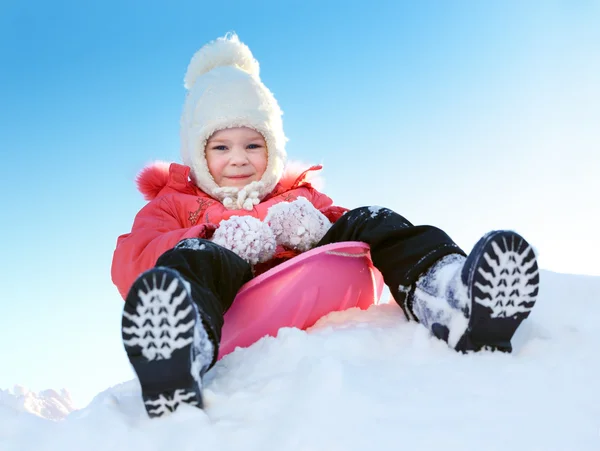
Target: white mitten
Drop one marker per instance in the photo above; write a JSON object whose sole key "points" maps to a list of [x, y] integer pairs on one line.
{"points": [[297, 224], [248, 237]]}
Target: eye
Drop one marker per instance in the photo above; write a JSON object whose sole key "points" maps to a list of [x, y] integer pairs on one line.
{"points": [[254, 146], [220, 148]]}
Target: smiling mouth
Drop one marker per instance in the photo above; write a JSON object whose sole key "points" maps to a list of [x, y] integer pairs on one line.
{"points": [[238, 176]]}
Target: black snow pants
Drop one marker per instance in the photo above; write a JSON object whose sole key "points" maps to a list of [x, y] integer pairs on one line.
{"points": [[399, 250]]}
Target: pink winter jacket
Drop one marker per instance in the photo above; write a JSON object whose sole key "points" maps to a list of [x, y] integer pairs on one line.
{"points": [[178, 209]]}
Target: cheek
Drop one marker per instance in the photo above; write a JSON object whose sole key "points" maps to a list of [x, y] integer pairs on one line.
{"points": [[260, 162], [215, 165]]}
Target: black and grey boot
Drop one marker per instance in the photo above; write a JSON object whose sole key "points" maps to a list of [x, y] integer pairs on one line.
{"points": [[478, 302], [165, 341]]}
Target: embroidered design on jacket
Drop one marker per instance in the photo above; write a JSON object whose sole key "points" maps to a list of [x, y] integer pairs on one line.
{"points": [[203, 204], [289, 197]]}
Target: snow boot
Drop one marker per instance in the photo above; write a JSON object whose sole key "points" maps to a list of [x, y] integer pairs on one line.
{"points": [[478, 302], [165, 341]]}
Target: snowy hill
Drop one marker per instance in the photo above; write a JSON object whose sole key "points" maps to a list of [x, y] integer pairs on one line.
{"points": [[48, 404], [358, 381]]}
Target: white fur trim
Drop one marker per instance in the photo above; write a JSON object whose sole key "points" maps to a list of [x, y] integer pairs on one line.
{"points": [[225, 91]]}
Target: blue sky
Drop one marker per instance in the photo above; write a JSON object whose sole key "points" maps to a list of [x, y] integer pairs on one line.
{"points": [[467, 115]]}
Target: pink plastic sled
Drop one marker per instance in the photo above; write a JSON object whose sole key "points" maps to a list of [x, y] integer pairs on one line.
{"points": [[299, 291]]}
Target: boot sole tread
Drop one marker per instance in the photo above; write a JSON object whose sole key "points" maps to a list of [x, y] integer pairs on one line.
{"points": [[158, 335]]}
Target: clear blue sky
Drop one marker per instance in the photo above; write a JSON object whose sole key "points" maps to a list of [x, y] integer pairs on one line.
{"points": [[466, 115]]}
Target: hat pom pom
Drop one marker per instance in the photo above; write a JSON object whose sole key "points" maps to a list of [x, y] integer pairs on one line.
{"points": [[225, 51]]}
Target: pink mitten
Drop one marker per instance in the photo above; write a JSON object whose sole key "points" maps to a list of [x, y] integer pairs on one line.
{"points": [[248, 237], [297, 225]]}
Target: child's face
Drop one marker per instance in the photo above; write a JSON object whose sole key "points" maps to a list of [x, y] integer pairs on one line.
{"points": [[236, 156]]}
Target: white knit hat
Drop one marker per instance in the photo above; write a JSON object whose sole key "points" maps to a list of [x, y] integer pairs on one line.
{"points": [[225, 91]]}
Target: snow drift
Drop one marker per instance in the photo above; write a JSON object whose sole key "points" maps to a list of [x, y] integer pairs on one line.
{"points": [[361, 380]]}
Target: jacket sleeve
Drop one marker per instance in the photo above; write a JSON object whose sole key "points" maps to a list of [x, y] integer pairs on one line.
{"points": [[324, 204], [155, 230]]}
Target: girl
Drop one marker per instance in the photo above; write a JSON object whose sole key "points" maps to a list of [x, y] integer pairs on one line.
{"points": [[230, 212]]}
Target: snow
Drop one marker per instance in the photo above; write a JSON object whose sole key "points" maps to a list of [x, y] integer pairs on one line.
{"points": [[191, 243], [360, 380], [48, 404], [432, 309], [374, 210]]}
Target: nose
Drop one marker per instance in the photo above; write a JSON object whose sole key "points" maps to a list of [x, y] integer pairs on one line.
{"points": [[238, 157]]}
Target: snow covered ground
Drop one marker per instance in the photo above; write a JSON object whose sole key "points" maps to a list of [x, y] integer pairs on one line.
{"points": [[358, 381]]}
